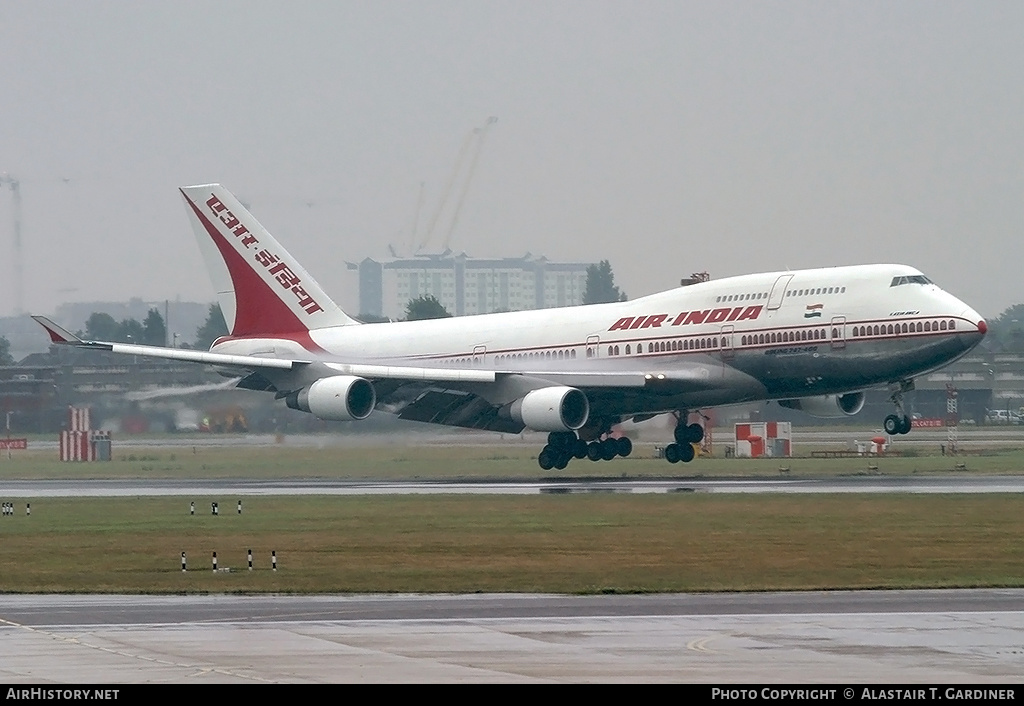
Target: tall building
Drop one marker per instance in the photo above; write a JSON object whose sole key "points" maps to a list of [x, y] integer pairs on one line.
{"points": [[466, 285]]}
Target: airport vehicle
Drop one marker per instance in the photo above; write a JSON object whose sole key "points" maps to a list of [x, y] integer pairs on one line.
{"points": [[811, 339], [1002, 416]]}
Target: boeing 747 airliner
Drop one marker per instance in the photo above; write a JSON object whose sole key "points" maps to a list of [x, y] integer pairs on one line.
{"points": [[811, 339]]}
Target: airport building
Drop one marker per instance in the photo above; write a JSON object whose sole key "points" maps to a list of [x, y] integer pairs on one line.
{"points": [[466, 285]]}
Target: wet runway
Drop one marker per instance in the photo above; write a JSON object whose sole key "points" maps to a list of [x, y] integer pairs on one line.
{"points": [[244, 488], [828, 637]]}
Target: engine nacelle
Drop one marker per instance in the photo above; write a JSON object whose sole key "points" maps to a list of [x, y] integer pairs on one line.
{"points": [[340, 398], [552, 409], [828, 406]]}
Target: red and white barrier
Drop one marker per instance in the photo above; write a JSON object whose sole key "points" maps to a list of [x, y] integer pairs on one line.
{"points": [[76, 446], [82, 443], [757, 439], [78, 419]]}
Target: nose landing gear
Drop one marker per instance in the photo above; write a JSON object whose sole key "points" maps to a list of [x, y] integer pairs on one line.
{"points": [[898, 423]]}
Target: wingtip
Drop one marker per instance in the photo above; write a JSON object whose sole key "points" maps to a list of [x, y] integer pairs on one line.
{"points": [[57, 334]]}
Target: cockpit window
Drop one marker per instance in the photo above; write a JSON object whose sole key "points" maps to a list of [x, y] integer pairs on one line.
{"points": [[910, 279]]}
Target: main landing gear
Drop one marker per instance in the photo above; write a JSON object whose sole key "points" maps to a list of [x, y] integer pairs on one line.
{"points": [[563, 446], [898, 423], [686, 436]]}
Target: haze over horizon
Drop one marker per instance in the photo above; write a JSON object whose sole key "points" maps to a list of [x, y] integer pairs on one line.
{"points": [[666, 137]]}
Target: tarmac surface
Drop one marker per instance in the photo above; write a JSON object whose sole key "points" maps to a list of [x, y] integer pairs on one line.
{"points": [[246, 487], [836, 637], [941, 637]]}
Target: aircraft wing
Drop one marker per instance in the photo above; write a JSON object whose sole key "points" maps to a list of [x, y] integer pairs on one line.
{"points": [[466, 397], [243, 362], [476, 406], [252, 363]]}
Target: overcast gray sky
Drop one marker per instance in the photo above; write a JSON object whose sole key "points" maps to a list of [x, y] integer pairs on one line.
{"points": [[667, 137]]}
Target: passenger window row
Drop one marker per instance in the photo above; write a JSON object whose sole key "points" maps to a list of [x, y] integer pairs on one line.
{"points": [[893, 329], [712, 342], [740, 297], [561, 354], [815, 291]]}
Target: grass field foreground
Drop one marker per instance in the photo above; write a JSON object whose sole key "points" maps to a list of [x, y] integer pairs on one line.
{"points": [[555, 543]]}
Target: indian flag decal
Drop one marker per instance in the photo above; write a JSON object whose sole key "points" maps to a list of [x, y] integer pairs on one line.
{"points": [[813, 310]]}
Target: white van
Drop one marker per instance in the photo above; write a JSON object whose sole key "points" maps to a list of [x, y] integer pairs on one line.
{"points": [[1002, 416]]}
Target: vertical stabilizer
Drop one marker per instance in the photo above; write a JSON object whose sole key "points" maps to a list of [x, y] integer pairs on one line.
{"points": [[261, 288]]}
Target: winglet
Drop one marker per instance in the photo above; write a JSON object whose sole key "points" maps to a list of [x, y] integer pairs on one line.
{"points": [[57, 334]]}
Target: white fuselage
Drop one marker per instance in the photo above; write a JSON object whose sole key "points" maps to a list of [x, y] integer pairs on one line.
{"points": [[768, 335]]}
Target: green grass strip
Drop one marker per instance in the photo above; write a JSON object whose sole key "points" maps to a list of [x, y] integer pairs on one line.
{"points": [[561, 543]]}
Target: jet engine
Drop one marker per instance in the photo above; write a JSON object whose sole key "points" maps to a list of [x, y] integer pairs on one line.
{"points": [[554, 408], [828, 406], [339, 398]]}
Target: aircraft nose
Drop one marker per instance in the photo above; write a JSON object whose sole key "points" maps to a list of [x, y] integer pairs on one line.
{"points": [[970, 338]]}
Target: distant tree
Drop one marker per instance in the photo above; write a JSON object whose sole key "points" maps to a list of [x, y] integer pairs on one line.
{"points": [[373, 319], [130, 331], [425, 307], [1007, 330], [212, 329], [5, 352], [601, 285], [101, 327], [154, 332]]}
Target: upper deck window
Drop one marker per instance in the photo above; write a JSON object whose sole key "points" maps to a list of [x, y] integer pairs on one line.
{"points": [[909, 279]]}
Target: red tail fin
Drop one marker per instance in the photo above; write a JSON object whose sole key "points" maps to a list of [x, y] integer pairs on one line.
{"points": [[261, 288]]}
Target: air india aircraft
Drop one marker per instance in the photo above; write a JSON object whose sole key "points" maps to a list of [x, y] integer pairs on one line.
{"points": [[811, 339]]}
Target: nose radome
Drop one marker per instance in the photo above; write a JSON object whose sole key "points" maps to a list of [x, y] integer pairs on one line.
{"points": [[971, 315]]}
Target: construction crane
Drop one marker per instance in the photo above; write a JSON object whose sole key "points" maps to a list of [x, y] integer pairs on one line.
{"points": [[465, 167], [16, 259]]}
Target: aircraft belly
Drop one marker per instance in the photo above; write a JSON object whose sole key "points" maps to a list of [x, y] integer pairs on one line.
{"points": [[681, 388], [817, 368]]}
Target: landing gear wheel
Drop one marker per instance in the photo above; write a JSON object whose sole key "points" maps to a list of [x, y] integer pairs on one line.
{"points": [[898, 423], [624, 446], [672, 453], [580, 449], [609, 449], [689, 434], [594, 450], [546, 458], [562, 462], [561, 439], [686, 453], [696, 433]]}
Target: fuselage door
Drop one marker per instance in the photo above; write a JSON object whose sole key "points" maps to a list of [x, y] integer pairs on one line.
{"points": [[593, 346], [838, 333], [727, 349], [778, 293], [479, 355]]}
